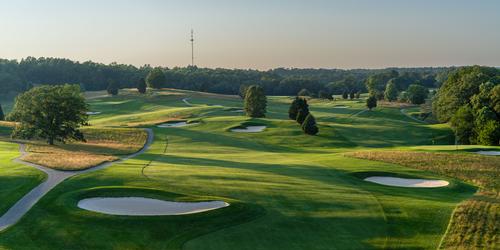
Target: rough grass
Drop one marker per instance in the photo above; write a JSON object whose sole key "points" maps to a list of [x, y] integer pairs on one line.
{"points": [[103, 144], [475, 222]]}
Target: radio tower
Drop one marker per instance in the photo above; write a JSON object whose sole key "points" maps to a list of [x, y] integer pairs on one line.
{"points": [[192, 48]]}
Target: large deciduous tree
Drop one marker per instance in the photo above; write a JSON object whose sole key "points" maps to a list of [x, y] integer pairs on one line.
{"points": [[417, 93], [255, 101], [156, 78], [391, 91], [470, 99], [53, 113]]}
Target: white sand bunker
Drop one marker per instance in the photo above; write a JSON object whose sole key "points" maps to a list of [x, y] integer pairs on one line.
{"points": [[404, 182], [92, 113], [237, 111], [139, 206], [176, 124], [488, 152], [340, 107], [249, 129]]}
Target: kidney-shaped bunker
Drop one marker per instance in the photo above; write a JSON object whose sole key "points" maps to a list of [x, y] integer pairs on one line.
{"points": [[140, 206]]}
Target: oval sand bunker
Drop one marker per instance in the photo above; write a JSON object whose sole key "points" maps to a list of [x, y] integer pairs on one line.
{"points": [[175, 124], [139, 206], [488, 152], [249, 129], [404, 182]]}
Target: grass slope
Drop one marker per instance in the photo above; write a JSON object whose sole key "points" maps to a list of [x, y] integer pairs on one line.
{"points": [[287, 190]]}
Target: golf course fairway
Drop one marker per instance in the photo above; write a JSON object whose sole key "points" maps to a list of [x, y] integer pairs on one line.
{"points": [[286, 190]]}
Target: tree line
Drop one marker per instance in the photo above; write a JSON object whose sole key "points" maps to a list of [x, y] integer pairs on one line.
{"points": [[19, 76]]}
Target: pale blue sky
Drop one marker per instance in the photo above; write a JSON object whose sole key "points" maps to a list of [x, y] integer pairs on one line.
{"points": [[258, 34]]}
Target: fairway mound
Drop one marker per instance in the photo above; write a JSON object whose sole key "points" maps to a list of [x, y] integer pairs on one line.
{"points": [[494, 153], [176, 124], [140, 206], [406, 182], [93, 113]]}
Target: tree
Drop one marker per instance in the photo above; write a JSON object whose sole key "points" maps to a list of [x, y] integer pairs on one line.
{"points": [[53, 113], [255, 101], [324, 95], [351, 95], [417, 93], [489, 133], [309, 125], [462, 124], [302, 110], [458, 89], [304, 92], [345, 95], [294, 108], [391, 92], [141, 86], [112, 88], [156, 78], [371, 102], [243, 90], [2, 116], [302, 115], [358, 94]]}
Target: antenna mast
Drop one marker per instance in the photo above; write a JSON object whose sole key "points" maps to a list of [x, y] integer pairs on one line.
{"points": [[192, 47]]}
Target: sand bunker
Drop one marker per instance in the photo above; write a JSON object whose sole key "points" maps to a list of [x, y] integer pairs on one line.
{"points": [[340, 107], [249, 129], [488, 152], [237, 111], [176, 124], [405, 182], [139, 206], [92, 113]]}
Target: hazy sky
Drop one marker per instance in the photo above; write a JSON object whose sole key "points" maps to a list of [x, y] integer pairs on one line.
{"points": [[258, 34]]}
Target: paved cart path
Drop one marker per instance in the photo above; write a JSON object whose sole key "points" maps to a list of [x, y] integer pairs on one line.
{"points": [[16, 212]]}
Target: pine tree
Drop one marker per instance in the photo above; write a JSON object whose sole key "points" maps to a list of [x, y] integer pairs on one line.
{"points": [[294, 109], [371, 102], [2, 116], [309, 125], [344, 95], [112, 88], [255, 101], [141, 86], [351, 95]]}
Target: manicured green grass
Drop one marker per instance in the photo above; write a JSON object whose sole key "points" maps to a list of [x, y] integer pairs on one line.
{"points": [[289, 190], [15, 179]]}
